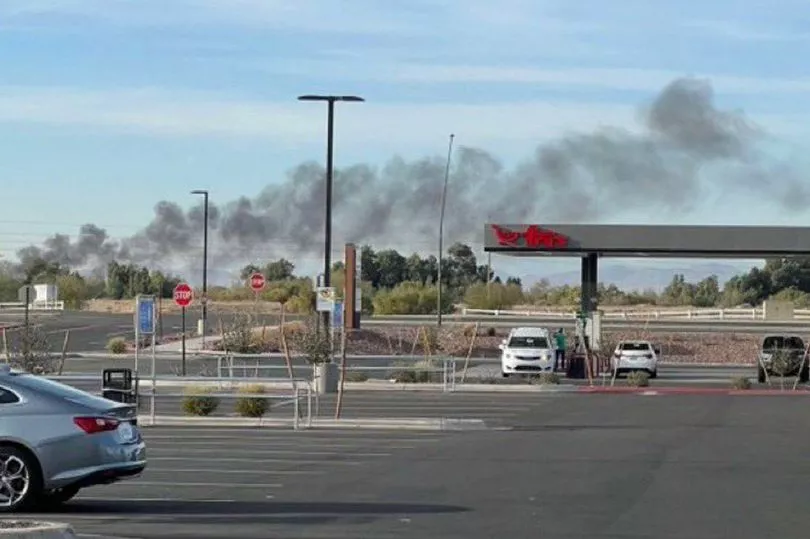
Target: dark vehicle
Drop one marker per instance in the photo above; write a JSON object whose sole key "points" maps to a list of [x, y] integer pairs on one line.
{"points": [[791, 345]]}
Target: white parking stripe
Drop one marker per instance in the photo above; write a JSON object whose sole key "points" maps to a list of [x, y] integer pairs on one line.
{"points": [[137, 483], [259, 460], [152, 445], [220, 471], [294, 452]]}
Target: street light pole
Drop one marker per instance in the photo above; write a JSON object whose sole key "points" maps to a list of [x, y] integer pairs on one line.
{"points": [[441, 230], [330, 137], [204, 299]]}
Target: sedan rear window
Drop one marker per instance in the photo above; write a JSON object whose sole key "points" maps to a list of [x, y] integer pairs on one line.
{"points": [[528, 342], [635, 346], [55, 389]]}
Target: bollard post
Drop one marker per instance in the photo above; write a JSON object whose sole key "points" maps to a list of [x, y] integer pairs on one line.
{"points": [[309, 405], [295, 410]]}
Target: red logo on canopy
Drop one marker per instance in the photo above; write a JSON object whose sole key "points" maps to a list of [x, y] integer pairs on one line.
{"points": [[534, 237]]}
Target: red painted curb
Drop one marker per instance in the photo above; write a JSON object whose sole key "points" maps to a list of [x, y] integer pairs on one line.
{"points": [[693, 391]]}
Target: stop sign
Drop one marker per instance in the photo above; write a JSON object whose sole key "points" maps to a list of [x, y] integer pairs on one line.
{"points": [[183, 295], [256, 281]]}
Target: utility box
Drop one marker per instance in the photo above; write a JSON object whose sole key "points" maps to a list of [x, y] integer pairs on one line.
{"points": [[45, 295]]}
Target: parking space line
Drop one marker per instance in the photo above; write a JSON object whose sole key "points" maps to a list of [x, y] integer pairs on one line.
{"points": [[229, 471], [258, 460], [137, 483], [295, 452], [164, 444], [270, 439], [143, 500]]}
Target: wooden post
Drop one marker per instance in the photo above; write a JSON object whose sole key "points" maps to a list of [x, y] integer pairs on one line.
{"points": [[339, 404], [350, 318]]}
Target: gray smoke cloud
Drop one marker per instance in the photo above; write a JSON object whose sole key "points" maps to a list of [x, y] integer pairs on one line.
{"points": [[681, 137]]}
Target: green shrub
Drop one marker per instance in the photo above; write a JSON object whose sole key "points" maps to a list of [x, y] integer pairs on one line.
{"points": [[546, 378], [411, 298], [415, 373], [638, 379], [117, 345], [252, 406], [199, 404], [493, 297], [356, 376], [741, 382]]}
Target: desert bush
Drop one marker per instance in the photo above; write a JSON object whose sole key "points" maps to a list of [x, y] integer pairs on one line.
{"points": [[493, 297], [252, 406], [783, 362], [410, 298], [196, 402], [239, 336], [546, 378], [638, 379], [314, 345], [117, 345], [30, 351], [415, 373], [356, 376], [740, 382]]}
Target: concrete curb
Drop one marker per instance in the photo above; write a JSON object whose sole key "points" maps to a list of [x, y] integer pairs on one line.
{"points": [[31, 529], [694, 391], [394, 423]]}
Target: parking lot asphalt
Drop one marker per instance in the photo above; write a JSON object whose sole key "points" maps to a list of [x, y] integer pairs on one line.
{"points": [[597, 466]]}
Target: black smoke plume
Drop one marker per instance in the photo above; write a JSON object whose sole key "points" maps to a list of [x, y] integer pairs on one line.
{"points": [[681, 138]]}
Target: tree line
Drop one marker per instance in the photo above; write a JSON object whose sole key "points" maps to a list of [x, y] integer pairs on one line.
{"points": [[393, 283]]}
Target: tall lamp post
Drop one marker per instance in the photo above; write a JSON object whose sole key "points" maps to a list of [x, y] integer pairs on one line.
{"points": [[204, 299], [330, 136], [441, 230]]}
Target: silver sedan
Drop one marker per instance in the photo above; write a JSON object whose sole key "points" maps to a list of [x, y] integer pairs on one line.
{"points": [[56, 440]]}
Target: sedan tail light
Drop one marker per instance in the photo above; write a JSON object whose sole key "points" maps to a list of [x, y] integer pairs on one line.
{"points": [[93, 425]]}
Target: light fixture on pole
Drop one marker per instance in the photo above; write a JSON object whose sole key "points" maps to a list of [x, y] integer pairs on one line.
{"points": [[330, 135], [204, 299], [441, 230]]}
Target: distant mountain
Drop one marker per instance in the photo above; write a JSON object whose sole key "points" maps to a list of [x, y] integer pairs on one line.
{"points": [[629, 277]]}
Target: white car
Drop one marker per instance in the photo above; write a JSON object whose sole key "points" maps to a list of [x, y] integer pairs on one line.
{"points": [[635, 356], [527, 351]]}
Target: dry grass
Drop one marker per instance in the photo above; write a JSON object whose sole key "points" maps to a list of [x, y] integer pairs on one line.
{"points": [[126, 306]]}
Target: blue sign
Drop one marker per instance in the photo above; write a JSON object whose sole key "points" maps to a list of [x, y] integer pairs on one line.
{"points": [[146, 315], [337, 314]]}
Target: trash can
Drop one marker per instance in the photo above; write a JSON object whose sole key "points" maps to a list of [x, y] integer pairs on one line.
{"points": [[576, 367], [117, 385]]}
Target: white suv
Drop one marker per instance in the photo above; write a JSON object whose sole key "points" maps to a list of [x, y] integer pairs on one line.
{"points": [[635, 356], [527, 350]]}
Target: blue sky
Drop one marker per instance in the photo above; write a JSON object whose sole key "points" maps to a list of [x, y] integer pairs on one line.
{"points": [[107, 106]]}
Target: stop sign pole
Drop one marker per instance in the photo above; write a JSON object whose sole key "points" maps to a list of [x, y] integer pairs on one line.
{"points": [[183, 295]]}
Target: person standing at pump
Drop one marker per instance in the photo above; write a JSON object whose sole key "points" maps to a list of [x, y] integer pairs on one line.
{"points": [[559, 349]]}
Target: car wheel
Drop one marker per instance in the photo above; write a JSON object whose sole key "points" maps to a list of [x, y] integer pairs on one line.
{"points": [[59, 496], [804, 375], [505, 374], [20, 480], [761, 375], [654, 373]]}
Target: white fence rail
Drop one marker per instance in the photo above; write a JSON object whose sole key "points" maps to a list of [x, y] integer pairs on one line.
{"points": [[644, 314], [285, 391]]}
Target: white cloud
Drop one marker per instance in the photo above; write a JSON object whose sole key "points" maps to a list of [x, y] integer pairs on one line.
{"points": [[397, 126], [648, 80], [740, 31], [161, 113]]}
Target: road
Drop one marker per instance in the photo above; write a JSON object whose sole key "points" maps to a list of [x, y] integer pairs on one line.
{"points": [[92, 331], [584, 467]]}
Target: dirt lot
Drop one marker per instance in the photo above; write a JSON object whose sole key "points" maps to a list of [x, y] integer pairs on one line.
{"points": [[701, 348]]}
